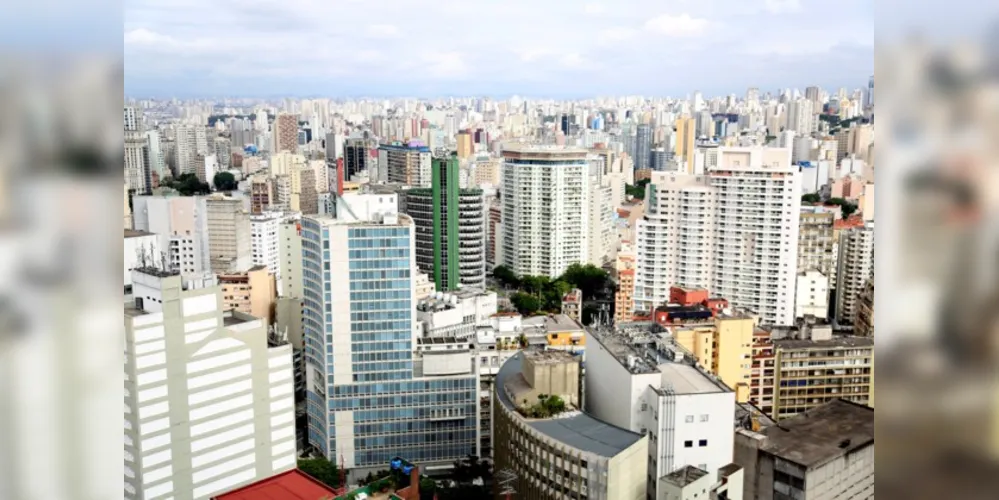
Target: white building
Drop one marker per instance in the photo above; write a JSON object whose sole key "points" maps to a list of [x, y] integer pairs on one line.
{"points": [[733, 231], [600, 212], [814, 175], [545, 223], [187, 148], [855, 267], [649, 386], [140, 245], [812, 295], [455, 314], [182, 226], [209, 403], [265, 244]]}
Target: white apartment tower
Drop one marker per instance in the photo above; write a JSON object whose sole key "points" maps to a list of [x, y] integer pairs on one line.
{"points": [[181, 224], [136, 152], [733, 231], [855, 267], [209, 403], [545, 223], [265, 242]]}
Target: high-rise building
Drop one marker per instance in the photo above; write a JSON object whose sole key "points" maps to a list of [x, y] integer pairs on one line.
{"points": [[137, 171], [228, 234], [182, 225], [686, 134], [223, 153], [156, 156], [265, 241], [368, 399], [253, 292], [261, 193], [600, 211], [465, 147], [733, 231], [643, 147], [286, 133], [800, 116], [187, 149], [209, 401], [863, 325], [812, 94], [404, 164], [355, 157], [290, 242], [816, 248], [545, 205], [450, 228], [854, 269]]}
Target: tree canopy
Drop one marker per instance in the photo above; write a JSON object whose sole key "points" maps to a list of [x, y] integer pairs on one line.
{"points": [[322, 470], [811, 198], [187, 184], [846, 206], [540, 293], [638, 190], [225, 181]]}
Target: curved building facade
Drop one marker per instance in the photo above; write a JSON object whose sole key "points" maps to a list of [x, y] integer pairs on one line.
{"points": [[566, 456]]}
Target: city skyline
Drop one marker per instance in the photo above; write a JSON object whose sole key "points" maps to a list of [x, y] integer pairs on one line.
{"points": [[575, 49]]}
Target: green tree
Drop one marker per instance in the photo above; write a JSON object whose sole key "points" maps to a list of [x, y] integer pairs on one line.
{"points": [[506, 276], [638, 190], [811, 198], [525, 303], [225, 181], [588, 278], [322, 470], [846, 206], [187, 185]]}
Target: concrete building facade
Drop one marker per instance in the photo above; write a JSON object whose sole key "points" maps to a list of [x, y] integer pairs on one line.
{"points": [[856, 267], [229, 239], [209, 402]]}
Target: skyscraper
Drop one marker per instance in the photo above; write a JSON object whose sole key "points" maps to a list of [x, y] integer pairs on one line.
{"points": [[286, 133], [686, 134], [209, 401], [643, 147], [404, 164], [733, 231], [355, 157], [545, 205], [137, 175], [855, 267], [229, 240], [368, 397], [450, 228]]}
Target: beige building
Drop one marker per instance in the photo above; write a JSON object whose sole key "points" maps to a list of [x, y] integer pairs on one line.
{"points": [[229, 240], [815, 241], [624, 297], [252, 292], [566, 454], [465, 147], [128, 210], [261, 193], [863, 325], [686, 134], [827, 452], [290, 249], [722, 347], [286, 133]]}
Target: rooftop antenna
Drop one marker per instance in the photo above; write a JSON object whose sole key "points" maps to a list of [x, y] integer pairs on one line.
{"points": [[140, 254], [506, 478]]}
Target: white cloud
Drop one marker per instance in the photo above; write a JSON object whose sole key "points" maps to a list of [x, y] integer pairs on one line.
{"points": [[573, 60], [677, 26], [446, 65], [143, 36], [593, 8], [534, 54], [615, 35], [382, 31], [782, 6]]}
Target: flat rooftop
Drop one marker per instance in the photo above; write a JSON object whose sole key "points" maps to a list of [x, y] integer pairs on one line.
{"points": [[133, 233], [579, 430], [822, 344], [684, 476], [822, 434], [688, 380], [561, 323]]}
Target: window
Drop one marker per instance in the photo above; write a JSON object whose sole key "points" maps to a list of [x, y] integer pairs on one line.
{"points": [[690, 419], [688, 444], [702, 443], [704, 418]]}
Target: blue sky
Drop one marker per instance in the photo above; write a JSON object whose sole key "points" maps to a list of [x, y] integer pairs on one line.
{"points": [[552, 48]]}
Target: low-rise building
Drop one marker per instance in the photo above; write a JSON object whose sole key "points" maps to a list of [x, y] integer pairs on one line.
{"points": [[253, 292], [572, 304], [826, 452], [554, 449]]}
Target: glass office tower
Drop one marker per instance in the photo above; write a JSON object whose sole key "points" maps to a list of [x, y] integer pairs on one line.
{"points": [[371, 397]]}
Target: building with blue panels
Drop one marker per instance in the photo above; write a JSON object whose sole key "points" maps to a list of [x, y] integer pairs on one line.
{"points": [[370, 396]]}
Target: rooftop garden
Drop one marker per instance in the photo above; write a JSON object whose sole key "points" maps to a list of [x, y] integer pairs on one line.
{"points": [[547, 406]]}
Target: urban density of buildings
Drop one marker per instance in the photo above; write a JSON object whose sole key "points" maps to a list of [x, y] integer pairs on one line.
{"points": [[637, 298]]}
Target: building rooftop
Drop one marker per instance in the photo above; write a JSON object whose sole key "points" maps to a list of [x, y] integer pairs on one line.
{"points": [[822, 434], [557, 323], [824, 344], [133, 233], [291, 485], [684, 476], [545, 357], [687, 379], [576, 429]]}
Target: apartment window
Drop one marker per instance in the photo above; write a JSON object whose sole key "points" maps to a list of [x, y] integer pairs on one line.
{"points": [[704, 418], [690, 419], [702, 443], [688, 444]]}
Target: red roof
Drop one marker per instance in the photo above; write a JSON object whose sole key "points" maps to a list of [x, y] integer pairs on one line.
{"points": [[291, 485]]}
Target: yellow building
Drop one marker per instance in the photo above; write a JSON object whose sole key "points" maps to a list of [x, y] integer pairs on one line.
{"points": [[723, 347], [253, 292], [464, 139], [686, 133], [810, 373]]}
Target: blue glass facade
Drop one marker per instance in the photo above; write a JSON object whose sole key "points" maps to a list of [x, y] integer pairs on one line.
{"points": [[393, 413]]}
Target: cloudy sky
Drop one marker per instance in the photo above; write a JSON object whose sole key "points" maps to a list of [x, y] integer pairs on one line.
{"points": [[551, 48]]}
